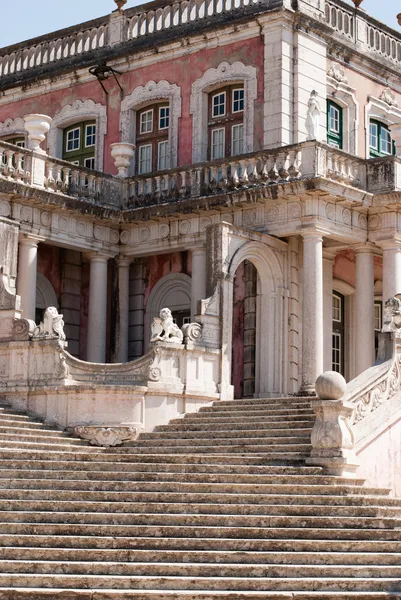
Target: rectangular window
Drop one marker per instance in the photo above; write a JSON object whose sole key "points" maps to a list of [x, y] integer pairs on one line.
{"points": [[378, 316], [337, 309], [162, 156], [336, 352], [237, 137], [385, 141], [374, 136], [164, 117], [146, 121], [145, 159], [73, 140], [238, 100], [89, 163], [218, 140], [334, 119], [90, 136], [219, 105]]}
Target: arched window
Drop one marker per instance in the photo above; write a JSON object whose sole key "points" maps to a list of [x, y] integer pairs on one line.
{"points": [[79, 144], [152, 130], [380, 140], [334, 125]]}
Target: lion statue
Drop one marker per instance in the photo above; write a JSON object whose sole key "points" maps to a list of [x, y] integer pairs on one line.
{"points": [[392, 314], [52, 325], [164, 329]]}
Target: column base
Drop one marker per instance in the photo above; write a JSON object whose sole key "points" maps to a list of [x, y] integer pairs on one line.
{"points": [[338, 466], [306, 390]]}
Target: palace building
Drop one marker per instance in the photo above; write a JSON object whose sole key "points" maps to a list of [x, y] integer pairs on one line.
{"points": [[199, 218]]}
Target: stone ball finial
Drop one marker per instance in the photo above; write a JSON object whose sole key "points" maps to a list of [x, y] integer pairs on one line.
{"points": [[330, 386]]}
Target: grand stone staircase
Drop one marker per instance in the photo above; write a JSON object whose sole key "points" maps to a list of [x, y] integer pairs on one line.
{"points": [[217, 504]]}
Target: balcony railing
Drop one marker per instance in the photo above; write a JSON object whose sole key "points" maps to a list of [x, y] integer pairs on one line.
{"points": [[289, 164]]}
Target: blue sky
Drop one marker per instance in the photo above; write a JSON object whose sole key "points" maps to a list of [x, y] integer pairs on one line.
{"points": [[36, 17]]}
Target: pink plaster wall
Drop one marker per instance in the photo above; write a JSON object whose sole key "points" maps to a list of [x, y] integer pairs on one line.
{"points": [[182, 72], [344, 267], [381, 460], [237, 368], [49, 265]]}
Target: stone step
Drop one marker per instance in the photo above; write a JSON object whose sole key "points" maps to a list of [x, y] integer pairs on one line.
{"points": [[200, 556], [268, 440], [293, 449], [268, 434], [219, 543], [22, 593], [44, 507], [216, 411], [22, 421], [247, 402], [108, 594], [32, 431], [211, 495], [118, 476], [244, 406], [262, 523], [339, 488], [92, 466], [40, 437], [181, 425], [141, 582], [219, 571], [283, 528], [226, 417]]}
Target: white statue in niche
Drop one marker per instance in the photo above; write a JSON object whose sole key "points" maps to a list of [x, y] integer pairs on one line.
{"points": [[313, 116], [165, 330], [52, 325]]}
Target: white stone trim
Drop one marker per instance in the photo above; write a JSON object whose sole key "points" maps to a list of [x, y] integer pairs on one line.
{"points": [[80, 110], [177, 282], [150, 93], [380, 110], [225, 74], [45, 293], [12, 127], [344, 95]]}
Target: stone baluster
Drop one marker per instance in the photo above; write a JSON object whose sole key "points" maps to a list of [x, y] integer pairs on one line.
{"points": [[183, 187], [50, 181]]}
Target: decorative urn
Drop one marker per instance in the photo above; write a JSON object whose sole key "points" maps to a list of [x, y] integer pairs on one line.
{"points": [[122, 152], [37, 127], [120, 4]]}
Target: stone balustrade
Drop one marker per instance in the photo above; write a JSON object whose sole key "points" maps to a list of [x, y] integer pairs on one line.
{"points": [[283, 165], [369, 35]]}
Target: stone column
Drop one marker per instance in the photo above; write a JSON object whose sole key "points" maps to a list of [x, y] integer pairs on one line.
{"points": [[364, 308], [312, 309], [27, 270], [328, 261], [391, 269], [198, 291], [123, 263], [97, 318]]}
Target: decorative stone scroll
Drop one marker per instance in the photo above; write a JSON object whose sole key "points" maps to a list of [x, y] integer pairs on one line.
{"points": [[110, 435], [51, 327], [23, 329], [192, 332], [165, 330]]}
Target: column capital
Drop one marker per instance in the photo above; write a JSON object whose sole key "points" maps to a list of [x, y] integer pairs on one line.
{"points": [[97, 257], [30, 239], [314, 232], [365, 248], [124, 261], [329, 253], [390, 244], [198, 250]]}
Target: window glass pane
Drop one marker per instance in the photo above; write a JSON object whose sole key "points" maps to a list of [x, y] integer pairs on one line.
{"points": [[238, 139], [164, 117], [163, 156], [378, 317], [89, 163], [20, 143], [336, 308], [146, 121], [334, 119], [385, 141], [238, 100], [145, 159], [73, 140], [219, 105], [90, 135], [217, 143], [336, 352], [373, 136]]}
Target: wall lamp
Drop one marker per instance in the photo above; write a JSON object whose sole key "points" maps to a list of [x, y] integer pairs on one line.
{"points": [[102, 72]]}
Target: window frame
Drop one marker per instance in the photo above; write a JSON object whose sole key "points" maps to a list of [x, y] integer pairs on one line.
{"points": [[335, 138], [153, 137], [79, 156], [226, 121], [377, 152]]}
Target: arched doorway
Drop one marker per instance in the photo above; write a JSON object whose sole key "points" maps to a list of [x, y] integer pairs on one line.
{"points": [[174, 292], [45, 296]]}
